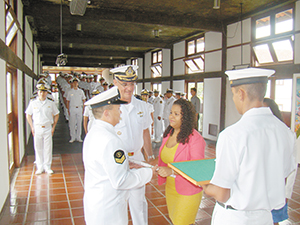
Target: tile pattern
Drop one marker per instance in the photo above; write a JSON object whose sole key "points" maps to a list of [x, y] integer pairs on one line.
{"points": [[57, 199]]}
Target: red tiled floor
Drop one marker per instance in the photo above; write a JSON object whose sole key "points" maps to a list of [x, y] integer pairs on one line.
{"points": [[57, 199]]}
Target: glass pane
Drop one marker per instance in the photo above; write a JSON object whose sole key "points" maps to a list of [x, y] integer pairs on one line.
{"points": [[191, 65], [200, 44], [159, 56], [159, 69], [262, 53], [283, 94], [11, 34], [154, 57], [8, 93], [155, 72], [284, 21], [9, 20], [191, 47], [10, 149], [283, 50], [263, 28], [200, 63], [157, 87]]}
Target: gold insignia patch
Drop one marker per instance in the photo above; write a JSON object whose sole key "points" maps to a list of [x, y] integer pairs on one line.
{"points": [[141, 114], [160, 102], [119, 133], [119, 156]]}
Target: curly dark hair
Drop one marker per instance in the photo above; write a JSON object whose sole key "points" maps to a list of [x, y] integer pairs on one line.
{"points": [[188, 121]]}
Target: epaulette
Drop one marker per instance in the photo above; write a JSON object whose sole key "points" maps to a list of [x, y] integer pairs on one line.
{"points": [[50, 99], [33, 97]]}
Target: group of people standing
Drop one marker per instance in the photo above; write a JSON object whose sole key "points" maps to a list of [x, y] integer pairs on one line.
{"points": [[254, 156]]}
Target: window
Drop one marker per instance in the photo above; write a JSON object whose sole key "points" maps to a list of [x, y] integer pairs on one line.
{"points": [[194, 60], [283, 94], [273, 41], [156, 67], [11, 28], [134, 62]]}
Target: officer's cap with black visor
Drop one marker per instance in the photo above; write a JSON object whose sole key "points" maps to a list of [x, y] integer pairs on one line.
{"points": [[248, 76], [125, 73], [109, 97]]}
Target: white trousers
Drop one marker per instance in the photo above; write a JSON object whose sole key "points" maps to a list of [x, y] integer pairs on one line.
{"points": [[75, 123], [222, 216], [138, 206], [43, 146], [158, 129]]}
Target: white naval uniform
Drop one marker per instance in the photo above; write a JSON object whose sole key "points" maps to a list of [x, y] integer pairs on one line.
{"points": [[88, 113], [158, 105], [42, 113], [135, 118], [106, 180], [75, 97], [167, 109], [253, 158], [151, 99]]}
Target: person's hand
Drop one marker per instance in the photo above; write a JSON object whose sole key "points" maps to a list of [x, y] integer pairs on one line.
{"points": [[159, 118], [164, 171], [52, 130], [32, 131], [154, 170]]}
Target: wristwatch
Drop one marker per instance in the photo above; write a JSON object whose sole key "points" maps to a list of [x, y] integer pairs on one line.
{"points": [[151, 157]]}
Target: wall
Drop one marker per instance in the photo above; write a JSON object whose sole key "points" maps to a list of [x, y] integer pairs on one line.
{"points": [[166, 64], [148, 65], [234, 58], [211, 106], [4, 173]]}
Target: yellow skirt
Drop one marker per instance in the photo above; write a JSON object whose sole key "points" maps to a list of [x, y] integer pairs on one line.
{"points": [[182, 208]]}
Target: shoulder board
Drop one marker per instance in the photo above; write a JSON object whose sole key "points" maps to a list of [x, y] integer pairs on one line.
{"points": [[33, 97], [50, 99]]}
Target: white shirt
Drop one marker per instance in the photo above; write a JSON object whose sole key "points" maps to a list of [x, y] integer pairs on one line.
{"points": [[42, 112], [168, 106], [75, 97], [158, 105], [135, 118], [106, 180], [253, 158], [88, 113]]}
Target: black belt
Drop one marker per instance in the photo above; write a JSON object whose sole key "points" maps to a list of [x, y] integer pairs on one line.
{"points": [[225, 206]]}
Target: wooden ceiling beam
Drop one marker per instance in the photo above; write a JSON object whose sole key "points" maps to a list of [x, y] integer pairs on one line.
{"points": [[90, 53]]}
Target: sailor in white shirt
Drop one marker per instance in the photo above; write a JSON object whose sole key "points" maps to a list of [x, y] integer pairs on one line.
{"points": [[75, 101], [254, 156], [158, 105], [88, 116], [107, 176], [167, 107], [42, 116], [145, 97], [133, 130]]}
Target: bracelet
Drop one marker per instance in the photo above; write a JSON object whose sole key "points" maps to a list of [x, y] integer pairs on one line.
{"points": [[151, 157], [173, 175]]}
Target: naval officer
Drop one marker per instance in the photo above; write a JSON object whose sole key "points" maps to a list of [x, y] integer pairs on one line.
{"points": [[253, 156], [158, 105], [42, 116], [75, 100], [107, 174], [133, 130]]}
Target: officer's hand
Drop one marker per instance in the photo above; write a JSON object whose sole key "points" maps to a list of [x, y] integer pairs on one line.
{"points": [[154, 170], [52, 130], [159, 118], [152, 162], [32, 131], [134, 165]]}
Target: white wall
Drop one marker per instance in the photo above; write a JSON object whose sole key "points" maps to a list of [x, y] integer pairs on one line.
{"points": [[141, 66], [148, 86], [166, 64], [178, 54], [148, 65], [164, 86], [211, 105], [178, 85], [297, 36]]}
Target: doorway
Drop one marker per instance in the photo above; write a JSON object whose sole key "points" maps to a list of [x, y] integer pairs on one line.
{"points": [[199, 86], [12, 118]]}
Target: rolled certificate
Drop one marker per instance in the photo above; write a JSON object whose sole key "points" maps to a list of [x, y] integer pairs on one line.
{"points": [[140, 163]]}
